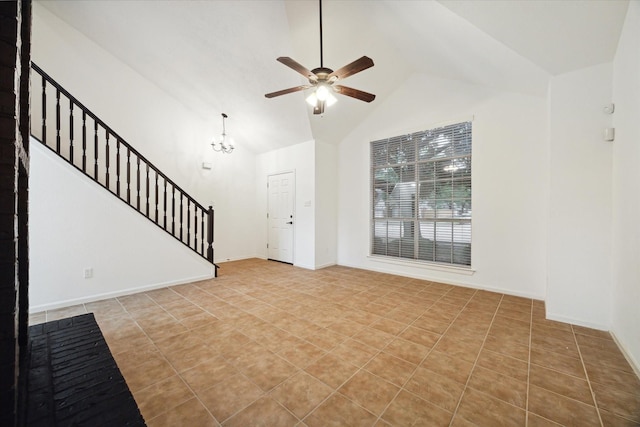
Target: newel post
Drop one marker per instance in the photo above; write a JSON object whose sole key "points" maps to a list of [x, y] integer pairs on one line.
{"points": [[210, 235]]}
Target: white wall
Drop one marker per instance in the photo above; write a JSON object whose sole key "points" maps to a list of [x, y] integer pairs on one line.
{"points": [[125, 250], [509, 181], [299, 158], [626, 188], [579, 284], [326, 181], [175, 138]]}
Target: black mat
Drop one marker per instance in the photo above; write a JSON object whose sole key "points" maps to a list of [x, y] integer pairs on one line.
{"points": [[73, 379]]}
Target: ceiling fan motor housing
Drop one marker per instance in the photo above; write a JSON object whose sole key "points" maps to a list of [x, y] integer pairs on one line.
{"points": [[320, 74]]}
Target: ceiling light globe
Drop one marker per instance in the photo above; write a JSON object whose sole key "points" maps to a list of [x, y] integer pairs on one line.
{"points": [[331, 99], [312, 99], [322, 92]]}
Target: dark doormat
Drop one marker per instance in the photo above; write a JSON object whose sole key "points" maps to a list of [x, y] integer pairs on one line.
{"points": [[73, 379]]}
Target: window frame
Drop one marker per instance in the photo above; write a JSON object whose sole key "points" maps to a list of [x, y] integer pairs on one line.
{"points": [[410, 246]]}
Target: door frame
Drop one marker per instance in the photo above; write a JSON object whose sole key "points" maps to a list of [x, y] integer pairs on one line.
{"points": [[293, 208]]}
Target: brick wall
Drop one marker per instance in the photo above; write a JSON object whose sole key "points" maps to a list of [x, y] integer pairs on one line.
{"points": [[15, 40]]}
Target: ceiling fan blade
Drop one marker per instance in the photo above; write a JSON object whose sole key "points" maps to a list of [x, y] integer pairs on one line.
{"points": [[354, 93], [296, 67], [286, 91], [350, 69]]}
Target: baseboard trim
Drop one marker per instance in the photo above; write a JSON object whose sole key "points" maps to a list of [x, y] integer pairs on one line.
{"points": [[321, 266], [627, 355], [447, 281], [572, 321], [115, 294]]}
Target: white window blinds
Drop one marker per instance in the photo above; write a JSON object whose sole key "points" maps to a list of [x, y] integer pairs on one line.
{"points": [[421, 195]]}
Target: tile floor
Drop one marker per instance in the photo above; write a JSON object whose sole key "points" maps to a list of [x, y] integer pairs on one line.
{"points": [[273, 345]]}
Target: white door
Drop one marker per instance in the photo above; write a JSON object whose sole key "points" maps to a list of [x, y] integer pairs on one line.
{"points": [[281, 188]]}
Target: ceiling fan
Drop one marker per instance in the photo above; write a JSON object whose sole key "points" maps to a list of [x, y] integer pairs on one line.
{"points": [[323, 80]]}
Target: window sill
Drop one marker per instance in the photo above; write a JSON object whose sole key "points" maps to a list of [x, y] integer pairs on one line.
{"points": [[467, 271]]}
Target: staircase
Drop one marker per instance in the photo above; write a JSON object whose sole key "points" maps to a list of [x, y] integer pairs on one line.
{"points": [[78, 136]]}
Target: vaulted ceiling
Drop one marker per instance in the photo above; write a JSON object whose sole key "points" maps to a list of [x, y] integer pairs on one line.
{"points": [[220, 56]]}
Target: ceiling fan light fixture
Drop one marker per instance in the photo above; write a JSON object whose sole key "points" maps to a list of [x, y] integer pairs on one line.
{"points": [[321, 94]]}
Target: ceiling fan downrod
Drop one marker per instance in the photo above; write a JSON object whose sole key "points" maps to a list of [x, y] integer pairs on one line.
{"points": [[321, 57]]}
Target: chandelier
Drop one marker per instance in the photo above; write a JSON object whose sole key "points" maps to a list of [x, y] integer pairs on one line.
{"points": [[226, 144]]}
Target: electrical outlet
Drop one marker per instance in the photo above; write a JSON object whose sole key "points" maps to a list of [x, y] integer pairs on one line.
{"points": [[88, 273]]}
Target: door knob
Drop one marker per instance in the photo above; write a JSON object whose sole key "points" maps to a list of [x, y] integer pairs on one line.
{"points": [[290, 222]]}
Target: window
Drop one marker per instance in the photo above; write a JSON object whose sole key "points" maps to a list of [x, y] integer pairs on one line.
{"points": [[421, 195]]}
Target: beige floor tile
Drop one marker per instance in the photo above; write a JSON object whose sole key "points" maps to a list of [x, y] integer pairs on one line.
{"points": [[131, 342], [301, 394], [447, 366], [534, 420], [37, 318], [190, 413], [159, 332], [482, 409], [369, 391], [263, 412], [420, 336], [340, 411], [346, 327], [467, 351], [510, 332], [505, 346], [389, 326], [208, 374], [105, 308], [611, 377], [61, 313], [301, 354], [137, 302], [503, 364], [560, 409], [331, 370], [612, 420], [325, 339], [198, 320], [355, 352], [522, 314], [560, 383], [186, 358], [618, 402], [409, 410], [565, 364], [580, 330], [499, 386], [442, 391], [458, 421], [390, 368], [407, 350], [230, 396], [374, 338], [607, 358], [154, 369], [162, 396], [270, 371]]}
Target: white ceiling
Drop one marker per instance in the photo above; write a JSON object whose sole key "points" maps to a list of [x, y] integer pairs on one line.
{"points": [[220, 56]]}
